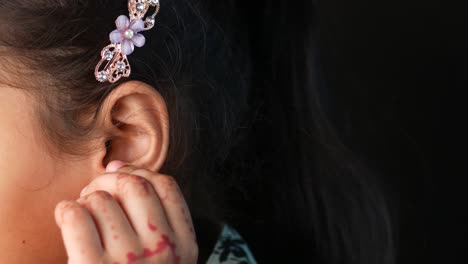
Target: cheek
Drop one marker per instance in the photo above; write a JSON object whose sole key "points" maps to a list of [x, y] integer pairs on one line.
{"points": [[32, 182], [24, 161], [27, 226]]}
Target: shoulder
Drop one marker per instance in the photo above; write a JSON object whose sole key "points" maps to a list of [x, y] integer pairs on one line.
{"points": [[231, 249]]}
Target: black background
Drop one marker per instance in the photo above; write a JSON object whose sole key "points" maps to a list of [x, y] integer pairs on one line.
{"points": [[398, 71]]}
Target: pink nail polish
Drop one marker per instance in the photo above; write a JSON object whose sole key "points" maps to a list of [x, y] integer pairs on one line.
{"points": [[113, 166]]}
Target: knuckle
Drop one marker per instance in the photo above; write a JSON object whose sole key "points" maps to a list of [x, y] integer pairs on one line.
{"points": [[96, 200], [142, 172], [168, 189], [134, 184], [127, 169], [72, 212], [167, 181], [99, 195], [128, 180]]}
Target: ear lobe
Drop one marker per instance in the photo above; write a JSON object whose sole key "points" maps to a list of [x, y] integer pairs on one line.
{"points": [[135, 118]]}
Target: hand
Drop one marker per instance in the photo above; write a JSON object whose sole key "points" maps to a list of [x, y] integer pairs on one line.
{"points": [[128, 215]]}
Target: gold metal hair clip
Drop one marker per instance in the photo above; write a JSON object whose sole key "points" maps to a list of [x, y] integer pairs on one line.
{"points": [[124, 39]]}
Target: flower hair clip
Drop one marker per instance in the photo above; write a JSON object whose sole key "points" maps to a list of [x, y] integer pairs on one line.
{"points": [[114, 63]]}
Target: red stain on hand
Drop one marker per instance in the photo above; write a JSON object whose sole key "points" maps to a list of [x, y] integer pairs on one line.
{"points": [[187, 220], [146, 186], [170, 191], [146, 190], [151, 226], [160, 247]]}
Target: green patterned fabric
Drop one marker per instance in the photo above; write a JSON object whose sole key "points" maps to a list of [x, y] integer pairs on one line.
{"points": [[231, 249]]}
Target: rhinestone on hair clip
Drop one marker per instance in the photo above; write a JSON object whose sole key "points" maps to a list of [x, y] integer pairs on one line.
{"points": [[114, 63]]}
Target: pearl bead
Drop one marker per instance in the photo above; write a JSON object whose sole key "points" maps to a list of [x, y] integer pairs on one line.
{"points": [[128, 34]]}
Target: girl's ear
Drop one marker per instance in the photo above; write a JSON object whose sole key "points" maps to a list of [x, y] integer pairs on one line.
{"points": [[135, 121]]}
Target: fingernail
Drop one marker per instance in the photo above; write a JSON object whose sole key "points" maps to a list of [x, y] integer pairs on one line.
{"points": [[59, 211], [113, 166], [84, 191]]}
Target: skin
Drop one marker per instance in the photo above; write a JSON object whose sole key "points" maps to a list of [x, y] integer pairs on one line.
{"points": [[128, 213]]}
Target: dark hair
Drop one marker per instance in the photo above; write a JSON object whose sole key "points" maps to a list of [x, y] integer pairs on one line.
{"points": [[247, 127]]}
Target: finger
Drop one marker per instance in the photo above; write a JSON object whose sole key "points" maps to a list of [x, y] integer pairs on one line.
{"points": [[116, 232], [175, 206], [113, 166], [168, 192], [140, 202], [173, 203], [122, 167], [79, 233]]}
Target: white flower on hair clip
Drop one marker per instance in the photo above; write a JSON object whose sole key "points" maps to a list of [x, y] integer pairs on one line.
{"points": [[124, 39]]}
